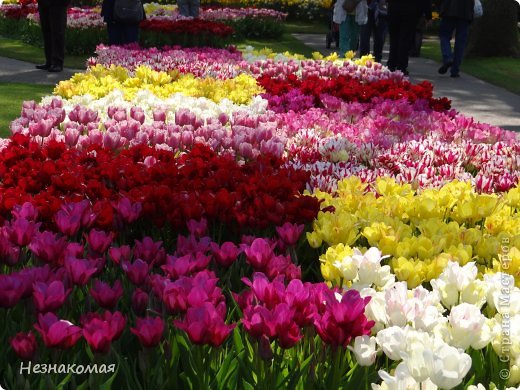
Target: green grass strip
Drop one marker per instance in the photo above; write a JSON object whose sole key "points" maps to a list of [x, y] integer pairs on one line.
{"points": [[11, 99]]}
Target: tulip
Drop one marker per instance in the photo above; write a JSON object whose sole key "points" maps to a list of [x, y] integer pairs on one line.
{"points": [[57, 333], [99, 241], [225, 255], [21, 231], [149, 251], [364, 350], [136, 272], [197, 228], [120, 254], [450, 366], [149, 331], [139, 301], [11, 290], [289, 233], [24, 344], [27, 211], [48, 247], [205, 325], [80, 270], [128, 211], [105, 296], [259, 253], [49, 297]]}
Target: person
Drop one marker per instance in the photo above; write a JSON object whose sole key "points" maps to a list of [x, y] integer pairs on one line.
{"points": [[403, 16], [189, 7], [53, 22], [376, 27], [348, 28], [118, 33], [456, 16], [416, 45]]}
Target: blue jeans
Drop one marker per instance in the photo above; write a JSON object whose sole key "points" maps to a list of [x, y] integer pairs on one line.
{"points": [[189, 7], [446, 29], [348, 35]]}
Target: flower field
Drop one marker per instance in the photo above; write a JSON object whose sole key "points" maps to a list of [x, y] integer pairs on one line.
{"points": [[215, 218]]}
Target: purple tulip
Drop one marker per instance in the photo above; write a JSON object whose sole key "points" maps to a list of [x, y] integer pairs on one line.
{"points": [[149, 331], [24, 344], [139, 301], [21, 231], [120, 254], [99, 240], [136, 271], [11, 290], [49, 297], [80, 270], [57, 333], [104, 295], [48, 247], [225, 255], [289, 233], [259, 254]]}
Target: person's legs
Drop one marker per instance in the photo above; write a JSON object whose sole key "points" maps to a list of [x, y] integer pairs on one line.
{"points": [[445, 33], [406, 35], [45, 25], [183, 7], [379, 37], [365, 31], [343, 40], [461, 38], [352, 33], [194, 8], [393, 29], [58, 28], [130, 33]]}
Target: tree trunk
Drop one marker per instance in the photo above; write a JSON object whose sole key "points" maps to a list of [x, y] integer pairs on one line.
{"points": [[495, 34]]}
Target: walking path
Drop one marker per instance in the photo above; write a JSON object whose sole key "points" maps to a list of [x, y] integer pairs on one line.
{"points": [[469, 95]]}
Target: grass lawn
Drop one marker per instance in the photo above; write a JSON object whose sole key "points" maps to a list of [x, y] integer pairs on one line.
{"points": [[12, 48], [501, 71], [280, 45], [11, 99]]}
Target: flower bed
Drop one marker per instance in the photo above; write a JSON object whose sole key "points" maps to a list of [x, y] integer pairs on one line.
{"points": [[163, 26], [218, 219]]}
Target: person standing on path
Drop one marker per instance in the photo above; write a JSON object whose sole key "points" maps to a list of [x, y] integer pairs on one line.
{"points": [[348, 27], [456, 16], [376, 27], [403, 16], [53, 22]]}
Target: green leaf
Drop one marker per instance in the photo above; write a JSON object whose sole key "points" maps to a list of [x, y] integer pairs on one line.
{"points": [[64, 381], [108, 384], [247, 385]]}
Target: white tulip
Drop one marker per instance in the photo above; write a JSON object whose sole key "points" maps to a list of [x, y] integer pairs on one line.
{"points": [[450, 366], [364, 350]]}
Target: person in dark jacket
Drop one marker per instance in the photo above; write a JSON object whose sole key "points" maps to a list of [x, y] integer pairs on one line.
{"points": [[53, 22], [403, 16], [118, 33], [189, 7], [456, 16]]}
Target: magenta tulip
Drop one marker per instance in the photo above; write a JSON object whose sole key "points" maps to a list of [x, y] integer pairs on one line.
{"points": [[57, 333], [149, 331], [106, 296], [49, 297], [24, 344]]}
